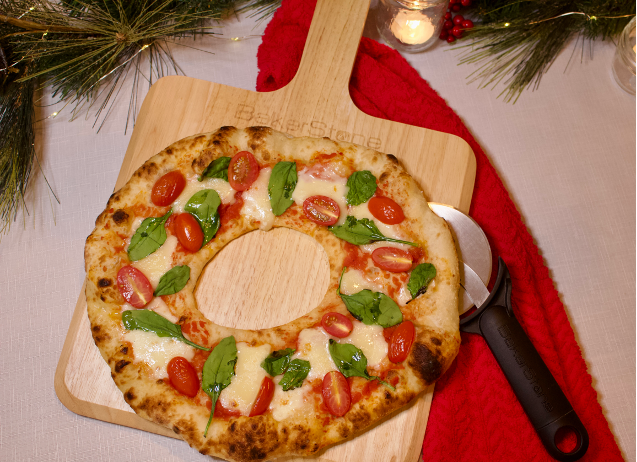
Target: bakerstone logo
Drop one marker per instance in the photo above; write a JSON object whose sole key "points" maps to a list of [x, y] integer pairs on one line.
{"points": [[316, 128]]}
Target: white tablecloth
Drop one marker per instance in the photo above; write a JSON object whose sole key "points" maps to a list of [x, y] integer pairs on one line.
{"points": [[566, 153]]}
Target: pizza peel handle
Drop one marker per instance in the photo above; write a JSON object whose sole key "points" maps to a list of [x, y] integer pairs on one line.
{"points": [[545, 404]]}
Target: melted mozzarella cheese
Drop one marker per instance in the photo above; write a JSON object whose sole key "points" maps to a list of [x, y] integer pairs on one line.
{"points": [[289, 403], [354, 281], [193, 186], [370, 340], [159, 262], [362, 211], [249, 374], [313, 346], [157, 351], [256, 201], [335, 189], [403, 295]]}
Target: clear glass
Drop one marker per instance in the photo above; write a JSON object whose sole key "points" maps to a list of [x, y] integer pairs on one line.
{"points": [[624, 60], [410, 26]]}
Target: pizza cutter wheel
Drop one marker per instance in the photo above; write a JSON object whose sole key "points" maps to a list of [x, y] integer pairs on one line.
{"points": [[543, 401]]}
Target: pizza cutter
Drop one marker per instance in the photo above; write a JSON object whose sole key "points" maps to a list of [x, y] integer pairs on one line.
{"points": [[543, 401]]}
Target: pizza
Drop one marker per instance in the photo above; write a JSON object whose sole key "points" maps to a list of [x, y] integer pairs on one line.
{"points": [[386, 329]]}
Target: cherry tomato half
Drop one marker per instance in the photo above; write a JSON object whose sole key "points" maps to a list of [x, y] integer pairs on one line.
{"points": [[243, 170], [401, 341], [188, 232], [392, 259], [168, 188], [134, 286], [386, 210], [183, 376], [336, 324], [266, 392], [322, 210], [336, 394]]}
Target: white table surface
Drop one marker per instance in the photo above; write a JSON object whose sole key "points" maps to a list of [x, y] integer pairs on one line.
{"points": [[566, 153]]}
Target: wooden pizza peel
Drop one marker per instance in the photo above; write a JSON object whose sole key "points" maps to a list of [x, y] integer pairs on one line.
{"points": [[266, 279]]}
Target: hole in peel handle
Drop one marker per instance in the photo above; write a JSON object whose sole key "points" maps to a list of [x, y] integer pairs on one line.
{"points": [[543, 401]]}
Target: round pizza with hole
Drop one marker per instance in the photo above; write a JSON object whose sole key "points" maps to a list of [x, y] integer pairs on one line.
{"points": [[385, 330]]}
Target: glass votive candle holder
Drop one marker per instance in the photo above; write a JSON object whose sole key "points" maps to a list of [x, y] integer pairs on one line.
{"points": [[410, 26], [624, 59]]}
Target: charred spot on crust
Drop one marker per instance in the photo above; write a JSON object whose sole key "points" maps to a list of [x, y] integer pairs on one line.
{"points": [[147, 170], [120, 216], [104, 282], [96, 329], [124, 350], [121, 364], [233, 427], [393, 158], [168, 151], [383, 176], [160, 381], [426, 363], [436, 341], [176, 429], [182, 320], [129, 396], [344, 431], [360, 418]]}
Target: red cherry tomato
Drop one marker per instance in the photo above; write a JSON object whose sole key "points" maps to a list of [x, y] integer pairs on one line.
{"points": [[401, 341], [336, 324], [134, 286], [386, 210], [242, 171], [168, 188], [336, 394], [183, 376], [321, 210], [188, 232], [392, 259], [266, 392]]}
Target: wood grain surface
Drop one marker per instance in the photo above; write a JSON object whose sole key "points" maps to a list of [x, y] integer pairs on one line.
{"points": [[266, 279]]}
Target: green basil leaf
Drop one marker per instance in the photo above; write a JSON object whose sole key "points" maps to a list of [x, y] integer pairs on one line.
{"points": [[351, 361], [150, 236], [218, 371], [204, 205], [371, 307], [295, 374], [390, 313], [362, 186], [363, 305], [277, 362], [361, 232], [420, 278], [173, 281], [150, 321], [218, 168], [282, 182]]}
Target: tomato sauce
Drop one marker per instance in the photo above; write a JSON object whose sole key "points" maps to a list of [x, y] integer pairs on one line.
{"points": [[355, 257], [229, 212]]}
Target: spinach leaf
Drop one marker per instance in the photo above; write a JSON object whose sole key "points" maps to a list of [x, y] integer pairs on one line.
{"points": [[351, 361], [362, 186], [173, 281], [295, 374], [277, 362], [419, 278], [150, 235], [203, 205], [218, 371], [371, 307], [150, 321], [281, 186], [361, 232], [218, 168]]}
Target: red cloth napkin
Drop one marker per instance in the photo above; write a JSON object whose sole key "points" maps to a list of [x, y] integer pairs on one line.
{"points": [[474, 415]]}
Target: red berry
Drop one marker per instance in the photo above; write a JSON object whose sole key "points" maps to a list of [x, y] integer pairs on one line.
{"points": [[465, 2], [448, 15], [467, 24], [457, 19], [451, 2], [457, 31], [451, 39], [456, 7], [444, 34], [447, 24]]}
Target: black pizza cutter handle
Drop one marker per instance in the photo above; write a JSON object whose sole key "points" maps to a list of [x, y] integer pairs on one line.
{"points": [[545, 404]]}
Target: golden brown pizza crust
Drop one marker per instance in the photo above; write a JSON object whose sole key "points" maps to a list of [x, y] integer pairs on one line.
{"points": [[434, 313]]}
